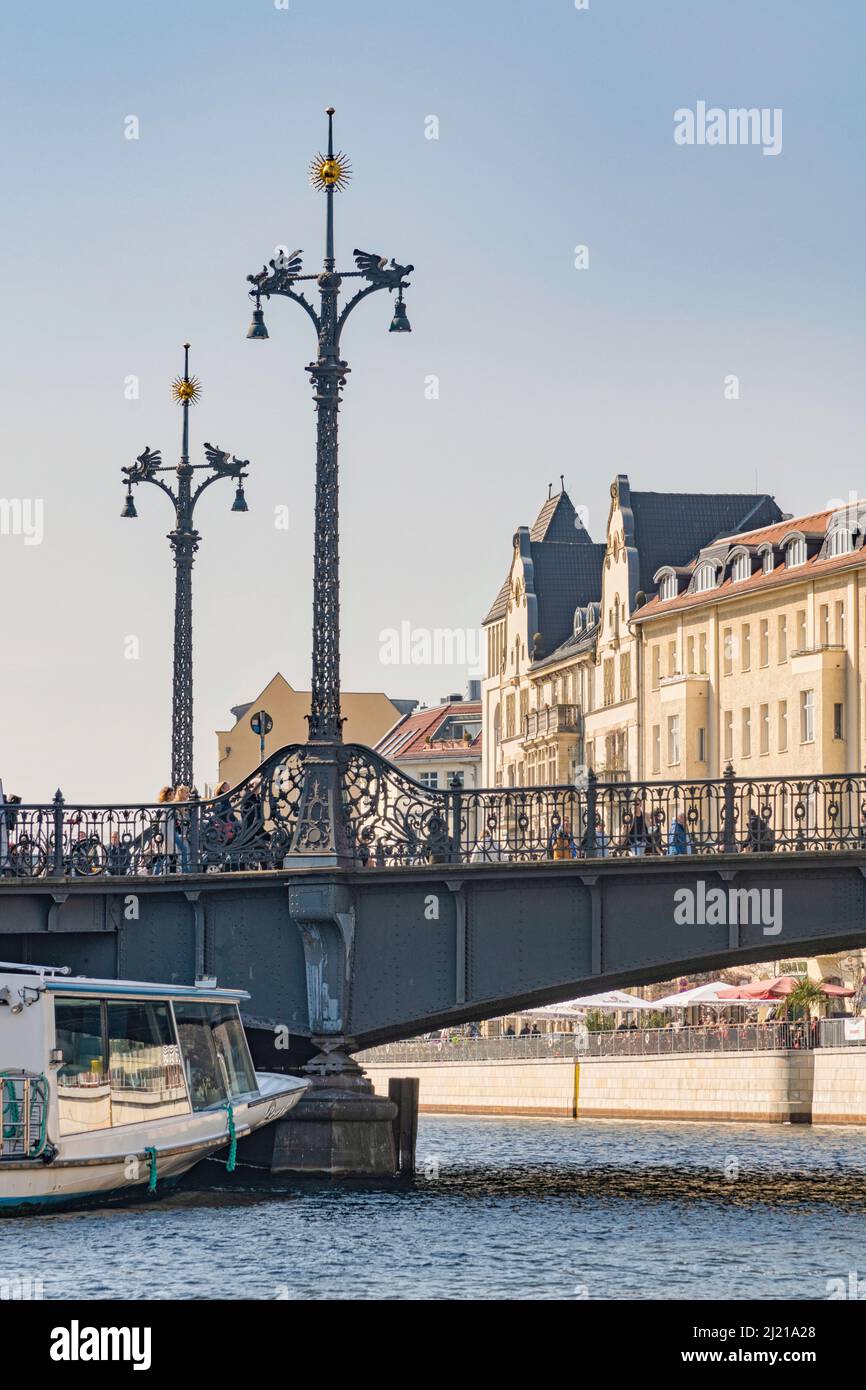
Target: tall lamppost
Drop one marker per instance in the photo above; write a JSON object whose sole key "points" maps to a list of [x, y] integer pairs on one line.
{"points": [[319, 826], [184, 543]]}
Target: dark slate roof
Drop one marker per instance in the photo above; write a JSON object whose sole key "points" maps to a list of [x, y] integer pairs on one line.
{"points": [[557, 523], [499, 606], [671, 527], [566, 577], [572, 646]]}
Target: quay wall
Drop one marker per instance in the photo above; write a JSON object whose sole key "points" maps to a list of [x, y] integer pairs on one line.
{"points": [[825, 1086]]}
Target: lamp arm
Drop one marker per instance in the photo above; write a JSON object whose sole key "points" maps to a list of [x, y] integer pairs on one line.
{"points": [[134, 477], [266, 290], [233, 472], [351, 303]]}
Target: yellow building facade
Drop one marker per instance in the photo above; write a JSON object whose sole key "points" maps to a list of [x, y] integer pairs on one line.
{"points": [[369, 715], [751, 655], [564, 663]]}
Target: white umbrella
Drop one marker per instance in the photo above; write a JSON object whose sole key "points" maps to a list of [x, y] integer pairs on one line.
{"points": [[701, 994], [610, 1000]]}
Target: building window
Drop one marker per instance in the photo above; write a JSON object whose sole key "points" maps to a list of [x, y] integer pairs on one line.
{"points": [[672, 658], [668, 587], [690, 655], [840, 541], [702, 653], [767, 561], [702, 746], [825, 625], [747, 646], [524, 714], [657, 748], [746, 725], [783, 726], [429, 779], [783, 640], [728, 718], [673, 740], [764, 654], [801, 629], [727, 652], [625, 676], [608, 680], [741, 568], [840, 623], [807, 716], [764, 728], [497, 726], [705, 578], [838, 724], [795, 552], [657, 666]]}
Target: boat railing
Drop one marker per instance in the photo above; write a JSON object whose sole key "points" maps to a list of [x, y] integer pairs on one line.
{"points": [[23, 1113]]}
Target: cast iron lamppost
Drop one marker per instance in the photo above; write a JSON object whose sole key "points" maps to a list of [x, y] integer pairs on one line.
{"points": [[184, 543], [319, 827]]}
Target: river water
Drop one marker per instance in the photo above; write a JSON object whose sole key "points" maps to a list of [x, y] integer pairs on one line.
{"points": [[501, 1208]]}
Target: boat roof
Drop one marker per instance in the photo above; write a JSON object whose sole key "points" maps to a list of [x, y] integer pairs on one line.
{"points": [[56, 983]]}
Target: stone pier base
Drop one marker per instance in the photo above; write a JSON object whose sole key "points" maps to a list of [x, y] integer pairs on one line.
{"points": [[341, 1128]]}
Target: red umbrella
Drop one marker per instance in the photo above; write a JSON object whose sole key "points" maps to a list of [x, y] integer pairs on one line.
{"points": [[776, 989]]}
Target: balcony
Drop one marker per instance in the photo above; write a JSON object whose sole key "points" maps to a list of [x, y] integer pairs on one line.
{"points": [[556, 719]]}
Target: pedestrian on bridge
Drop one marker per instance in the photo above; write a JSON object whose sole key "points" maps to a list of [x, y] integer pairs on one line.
{"points": [[680, 841], [163, 833], [638, 834]]}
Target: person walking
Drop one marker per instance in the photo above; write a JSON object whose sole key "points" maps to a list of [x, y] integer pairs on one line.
{"points": [[181, 828], [163, 832], [679, 841], [638, 831]]}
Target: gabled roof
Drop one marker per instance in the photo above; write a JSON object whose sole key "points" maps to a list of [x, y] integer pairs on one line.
{"points": [[558, 521], [408, 738], [671, 527], [558, 525]]}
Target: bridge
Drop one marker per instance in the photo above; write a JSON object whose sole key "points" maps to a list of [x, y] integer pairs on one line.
{"points": [[397, 908], [359, 907]]}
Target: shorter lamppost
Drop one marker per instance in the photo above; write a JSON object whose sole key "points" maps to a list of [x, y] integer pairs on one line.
{"points": [[184, 539]]}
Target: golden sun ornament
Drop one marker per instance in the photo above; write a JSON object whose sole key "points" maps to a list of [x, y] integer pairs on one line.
{"points": [[330, 171], [186, 390]]}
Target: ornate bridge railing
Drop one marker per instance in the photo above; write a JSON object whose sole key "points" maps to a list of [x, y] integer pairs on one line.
{"points": [[387, 819]]}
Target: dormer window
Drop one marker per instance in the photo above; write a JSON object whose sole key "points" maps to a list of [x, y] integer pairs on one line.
{"points": [[741, 567], [668, 587], [840, 541], [795, 552], [705, 578], [767, 560]]}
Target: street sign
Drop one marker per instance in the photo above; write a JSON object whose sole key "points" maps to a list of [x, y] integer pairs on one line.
{"points": [[261, 723]]}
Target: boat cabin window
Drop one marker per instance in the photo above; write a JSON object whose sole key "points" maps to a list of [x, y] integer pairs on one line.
{"points": [[121, 1063], [215, 1052]]}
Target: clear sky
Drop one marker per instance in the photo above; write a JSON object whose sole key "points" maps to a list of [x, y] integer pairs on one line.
{"points": [[555, 130]]}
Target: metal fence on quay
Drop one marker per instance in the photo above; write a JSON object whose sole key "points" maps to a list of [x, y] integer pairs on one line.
{"points": [[776, 1036]]}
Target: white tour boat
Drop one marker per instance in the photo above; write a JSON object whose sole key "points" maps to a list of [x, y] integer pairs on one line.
{"points": [[109, 1088]]}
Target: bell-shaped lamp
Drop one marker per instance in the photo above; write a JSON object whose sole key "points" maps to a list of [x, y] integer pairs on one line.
{"points": [[129, 506], [400, 322], [257, 328], [240, 502]]}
